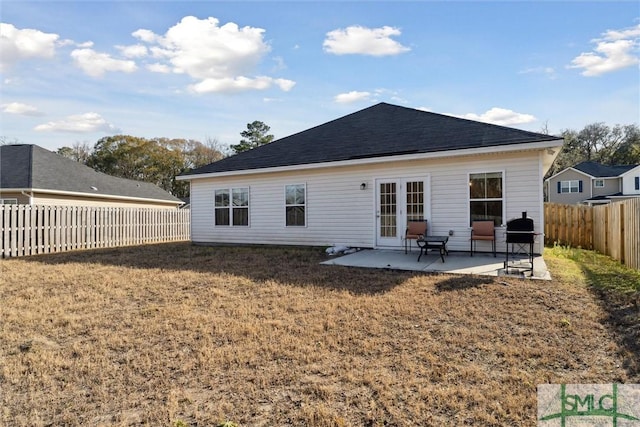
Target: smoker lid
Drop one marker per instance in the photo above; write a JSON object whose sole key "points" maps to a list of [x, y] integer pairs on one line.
{"points": [[520, 224]]}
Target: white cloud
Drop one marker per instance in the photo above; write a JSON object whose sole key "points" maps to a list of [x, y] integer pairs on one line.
{"points": [[499, 116], [21, 109], [239, 84], [627, 33], [221, 57], [145, 35], [133, 51], [80, 123], [364, 41], [65, 42], [84, 45], [616, 49], [17, 44], [279, 64], [284, 84], [550, 72], [392, 95], [96, 64], [159, 68], [353, 96]]}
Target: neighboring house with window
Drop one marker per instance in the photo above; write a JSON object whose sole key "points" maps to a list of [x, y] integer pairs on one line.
{"points": [[592, 183], [31, 175], [357, 180]]}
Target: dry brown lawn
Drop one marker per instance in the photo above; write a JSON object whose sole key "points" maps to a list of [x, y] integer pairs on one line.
{"points": [[177, 335]]}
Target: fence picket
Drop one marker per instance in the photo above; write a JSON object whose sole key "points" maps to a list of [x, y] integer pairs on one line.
{"points": [[28, 230], [612, 229]]}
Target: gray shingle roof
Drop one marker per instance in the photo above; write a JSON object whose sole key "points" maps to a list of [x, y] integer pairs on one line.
{"points": [[602, 171], [33, 167], [378, 131]]}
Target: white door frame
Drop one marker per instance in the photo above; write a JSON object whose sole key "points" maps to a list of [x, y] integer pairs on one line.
{"points": [[396, 241]]}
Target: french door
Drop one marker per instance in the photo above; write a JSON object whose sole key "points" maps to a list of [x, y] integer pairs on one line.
{"points": [[399, 200]]}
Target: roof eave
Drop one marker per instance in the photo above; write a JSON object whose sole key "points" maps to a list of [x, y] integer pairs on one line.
{"points": [[625, 196], [539, 145], [573, 169], [91, 195], [629, 171]]}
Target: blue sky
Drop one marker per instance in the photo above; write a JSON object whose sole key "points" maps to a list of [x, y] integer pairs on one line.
{"points": [[73, 72]]}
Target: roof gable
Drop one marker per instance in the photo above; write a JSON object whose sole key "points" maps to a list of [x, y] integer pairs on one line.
{"points": [[29, 166], [631, 170], [378, 131]]}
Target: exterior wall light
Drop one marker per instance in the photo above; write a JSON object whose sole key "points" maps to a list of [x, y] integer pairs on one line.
{"points": [[363, 186]]}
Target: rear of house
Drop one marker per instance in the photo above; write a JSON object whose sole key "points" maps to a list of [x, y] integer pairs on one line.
{"points": [[356, 181]]}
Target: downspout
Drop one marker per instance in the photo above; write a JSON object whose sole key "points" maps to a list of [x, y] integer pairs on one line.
{"points": [[29, 196]]}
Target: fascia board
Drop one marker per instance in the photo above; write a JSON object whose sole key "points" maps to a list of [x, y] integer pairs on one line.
{"points": [[573, 169], [625, 196], [630, 171], [375, 160], [90, 195]]}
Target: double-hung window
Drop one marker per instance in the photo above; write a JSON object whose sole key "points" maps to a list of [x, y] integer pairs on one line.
{"points": [[598, 183], [569, 186], [232, 206], [295, 205], [486, 197]]}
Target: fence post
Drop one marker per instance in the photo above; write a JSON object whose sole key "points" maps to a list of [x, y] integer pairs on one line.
{"points": [[622, 239]]}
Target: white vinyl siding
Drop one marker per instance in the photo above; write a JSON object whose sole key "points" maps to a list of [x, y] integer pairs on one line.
{"points": [[630, 182], [339, 212]]}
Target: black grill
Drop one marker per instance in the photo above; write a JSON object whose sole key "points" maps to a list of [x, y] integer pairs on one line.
{"points": [[520, 232]]}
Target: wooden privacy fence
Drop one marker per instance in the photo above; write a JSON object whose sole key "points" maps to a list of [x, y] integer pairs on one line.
{"points": [[30, 230], [612, 229]]}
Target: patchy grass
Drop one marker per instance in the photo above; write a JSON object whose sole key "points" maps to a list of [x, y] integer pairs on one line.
{"points": [[178, 335], [616, 287]]}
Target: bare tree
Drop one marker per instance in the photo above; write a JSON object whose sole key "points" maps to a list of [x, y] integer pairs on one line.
{"points": [[79, 151], [597, 142], [5, 140]]}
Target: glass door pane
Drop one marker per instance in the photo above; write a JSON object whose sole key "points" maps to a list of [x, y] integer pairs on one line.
{"points": [[415, 200], [388, 210]]}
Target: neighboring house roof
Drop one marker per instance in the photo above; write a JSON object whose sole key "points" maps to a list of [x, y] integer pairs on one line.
{"points": [[378, 131], [28, 166], [597, 170], [604, 197]]}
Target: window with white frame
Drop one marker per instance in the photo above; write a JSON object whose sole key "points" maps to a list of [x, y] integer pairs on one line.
{"points": [[486, 201], [295, 205], [570, 186], [598, 183], [231, 206]]}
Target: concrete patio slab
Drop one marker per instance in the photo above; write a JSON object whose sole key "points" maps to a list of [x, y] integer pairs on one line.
{"points": [[455, 262]]}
